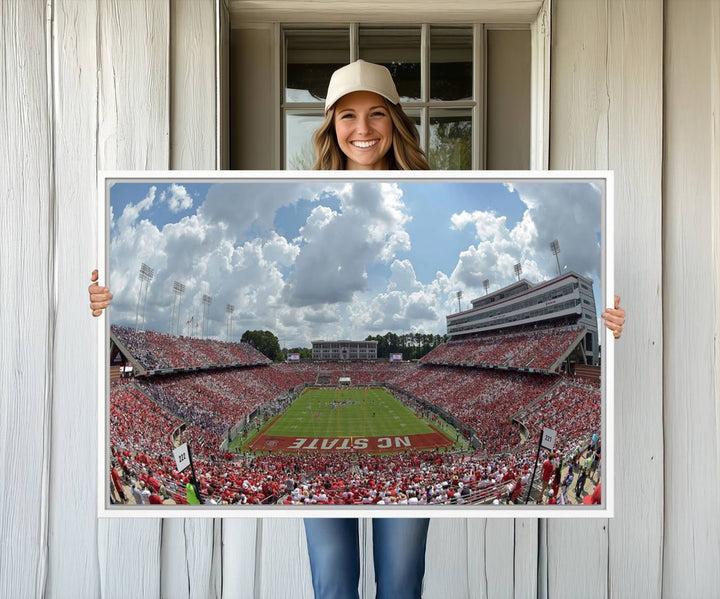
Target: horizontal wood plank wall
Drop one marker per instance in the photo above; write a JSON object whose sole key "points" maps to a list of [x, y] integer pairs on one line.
{"points": [[73, 552], [187, 544], [133, 134], [26, 281], [635, 84], [692, 310]]}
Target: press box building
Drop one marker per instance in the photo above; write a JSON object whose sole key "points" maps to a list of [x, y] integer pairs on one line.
{"points": [[568, 297], [344, 350]]}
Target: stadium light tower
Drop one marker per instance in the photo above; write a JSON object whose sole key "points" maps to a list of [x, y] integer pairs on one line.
{"points": [[555, 249], [146, 275], [486, 284], [179, 289], [207, 300], [229, 309], [518, 270], [459, 297]]}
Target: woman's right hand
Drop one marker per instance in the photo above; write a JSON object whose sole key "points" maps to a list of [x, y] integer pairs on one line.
{"points": [[99, 296]]}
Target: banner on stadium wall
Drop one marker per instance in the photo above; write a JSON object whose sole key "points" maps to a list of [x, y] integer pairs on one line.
{"points": [[293, 358], [396, 357]]}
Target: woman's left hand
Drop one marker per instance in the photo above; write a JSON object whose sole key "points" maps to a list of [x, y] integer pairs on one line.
{"points": [[615, 318]]}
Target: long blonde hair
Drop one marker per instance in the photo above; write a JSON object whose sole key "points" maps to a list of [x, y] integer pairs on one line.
{"points": [[405, 153]]}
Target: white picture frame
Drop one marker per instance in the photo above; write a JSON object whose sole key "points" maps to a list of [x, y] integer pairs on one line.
{"points": [[601, 180]]}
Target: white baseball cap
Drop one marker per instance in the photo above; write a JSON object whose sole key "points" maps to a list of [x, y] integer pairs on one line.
{"points": [[361, 76]]}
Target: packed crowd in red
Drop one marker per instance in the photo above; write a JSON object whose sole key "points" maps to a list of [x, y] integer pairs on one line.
{"points": [[143, 414], [365, 372], [140, 438], [537, 349], [485, 400], [571, 409], [158, 351]]}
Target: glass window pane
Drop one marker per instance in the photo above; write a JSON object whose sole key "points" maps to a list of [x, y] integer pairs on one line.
{"points": [[311, 58], [299, 150], [450, 139], [399, 50], [451, 56]]}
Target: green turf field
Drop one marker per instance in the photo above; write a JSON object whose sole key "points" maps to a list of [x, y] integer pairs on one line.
{"points": [[347, 413]]}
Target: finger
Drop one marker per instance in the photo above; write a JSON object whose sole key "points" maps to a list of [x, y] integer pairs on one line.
{"points": [[614, 319], [94, 275], [617, 302], [617, 313], [97, 312]]}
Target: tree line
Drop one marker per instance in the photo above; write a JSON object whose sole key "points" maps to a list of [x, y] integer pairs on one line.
{"points": [[412, 346]]}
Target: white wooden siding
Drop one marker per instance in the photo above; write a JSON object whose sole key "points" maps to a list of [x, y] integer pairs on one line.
{"points": [[692, 307], [133, 133], [635, 87], [189, 566], [606, 113], [74, 432], [579, 102], [26, 286]]}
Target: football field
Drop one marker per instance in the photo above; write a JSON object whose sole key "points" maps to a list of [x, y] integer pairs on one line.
{"points": [[341, 419]]}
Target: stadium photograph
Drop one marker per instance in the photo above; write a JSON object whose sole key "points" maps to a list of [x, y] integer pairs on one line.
{"points": [[308, 343]]}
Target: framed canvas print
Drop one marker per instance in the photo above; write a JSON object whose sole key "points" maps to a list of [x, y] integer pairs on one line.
{"points": [[356, 344]]}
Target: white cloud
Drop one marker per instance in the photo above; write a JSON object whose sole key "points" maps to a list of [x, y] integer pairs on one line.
{"points": [[238, 206], [570, 213], [340, 245], [131, 212], [177, 198], [487, 225], [402, 276], [319, 218], [565, 211], [316, 286]]}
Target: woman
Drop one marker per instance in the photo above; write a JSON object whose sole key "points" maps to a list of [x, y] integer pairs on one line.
{"points": [[365, 129]]}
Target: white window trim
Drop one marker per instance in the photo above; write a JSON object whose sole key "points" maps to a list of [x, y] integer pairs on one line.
{"points": [[540, 89]]}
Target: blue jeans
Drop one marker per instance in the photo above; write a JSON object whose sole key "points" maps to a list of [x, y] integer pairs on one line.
{"points": [[398, 552]]}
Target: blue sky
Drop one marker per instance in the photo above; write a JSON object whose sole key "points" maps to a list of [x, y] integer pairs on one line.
{"points": [[313, 260]]}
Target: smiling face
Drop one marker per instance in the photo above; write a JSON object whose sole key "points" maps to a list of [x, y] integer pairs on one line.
{"points": [[364, 130]]}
